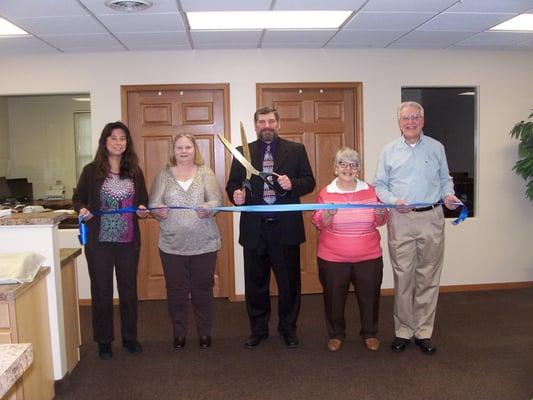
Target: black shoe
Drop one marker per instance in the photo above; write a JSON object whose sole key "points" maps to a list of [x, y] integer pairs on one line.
{"points": [[132, 346], [426, 346], [205, 342], [254, 340], [104, 351], [399, 344], [291, 340], [179, 342]]}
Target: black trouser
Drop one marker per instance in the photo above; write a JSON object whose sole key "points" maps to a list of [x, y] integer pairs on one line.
{"points": [[194, 275], [285, 262], [366, 277], [101, 259]]}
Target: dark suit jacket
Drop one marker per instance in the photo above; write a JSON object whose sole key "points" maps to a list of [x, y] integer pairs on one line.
{"points": [[291, 160]]}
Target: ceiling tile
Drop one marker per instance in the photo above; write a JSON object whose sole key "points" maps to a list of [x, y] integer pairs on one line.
{"points": [[409, 5], [319, 4], [168, 22], [226, 5], [154, 39], [468, 22], [39, 8], [310, 37], [59, 25], [96, 49], [437, 38], [24, 43], [496, 6], [525, 45], [226, 39], [96, 40], [496, 39], [160, 48], [348, 38], [381, 21], [98, 7]]}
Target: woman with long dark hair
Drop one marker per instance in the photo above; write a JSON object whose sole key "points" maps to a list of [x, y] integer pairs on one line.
{"points": [[113, 180]]}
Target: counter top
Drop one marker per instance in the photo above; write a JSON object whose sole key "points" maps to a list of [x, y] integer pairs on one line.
{"points": [[67, 255], [10, 292], [45, 218], [14, 360]]}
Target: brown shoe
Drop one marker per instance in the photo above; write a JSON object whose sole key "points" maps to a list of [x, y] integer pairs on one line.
{"points": [[372, 343], [334, 344]]}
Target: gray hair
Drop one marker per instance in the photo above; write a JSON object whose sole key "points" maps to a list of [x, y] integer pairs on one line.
{"points": [[348, 155], [406, 104]]}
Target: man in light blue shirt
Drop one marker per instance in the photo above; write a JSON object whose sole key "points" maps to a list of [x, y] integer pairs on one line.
{"points": [[413, 169]]}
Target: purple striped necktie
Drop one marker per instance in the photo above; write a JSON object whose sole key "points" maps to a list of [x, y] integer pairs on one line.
{"points": [[269, 196]]}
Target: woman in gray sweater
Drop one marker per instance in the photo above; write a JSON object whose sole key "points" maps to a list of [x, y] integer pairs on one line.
{"points": [[189, 238]]}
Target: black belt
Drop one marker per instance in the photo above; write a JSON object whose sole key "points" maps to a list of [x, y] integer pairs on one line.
{"points": [[431, 207], [269, 220]]}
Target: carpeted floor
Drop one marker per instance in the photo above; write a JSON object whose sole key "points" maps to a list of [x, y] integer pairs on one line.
{"points": [[484, 339]]}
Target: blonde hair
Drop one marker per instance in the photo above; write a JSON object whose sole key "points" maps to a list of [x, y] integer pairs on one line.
{"points": [[198, 159]]}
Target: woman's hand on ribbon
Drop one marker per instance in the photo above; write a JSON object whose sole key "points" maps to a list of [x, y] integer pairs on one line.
{"points": [[203, 211], [85, 214], [160, 212], [142, 211]]}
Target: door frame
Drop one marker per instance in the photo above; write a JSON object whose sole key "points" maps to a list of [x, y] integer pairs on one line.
{"points": [[357, 88], [124, 92]]}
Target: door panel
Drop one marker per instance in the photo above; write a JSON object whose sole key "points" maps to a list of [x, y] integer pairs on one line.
{"points": [[154, 115], [324, 117]]}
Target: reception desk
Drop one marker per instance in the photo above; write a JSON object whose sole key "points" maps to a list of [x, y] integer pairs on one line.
{"points": [[39, 233]]}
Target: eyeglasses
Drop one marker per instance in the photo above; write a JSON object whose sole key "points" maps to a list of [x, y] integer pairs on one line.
{"points": [[407, 118], [347, 165]]}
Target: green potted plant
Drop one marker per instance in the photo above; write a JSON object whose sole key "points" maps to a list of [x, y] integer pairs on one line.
{"points": [[524, 167]]}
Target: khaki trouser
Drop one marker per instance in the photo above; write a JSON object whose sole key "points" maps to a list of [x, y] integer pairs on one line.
{"points": [[416, 247]]}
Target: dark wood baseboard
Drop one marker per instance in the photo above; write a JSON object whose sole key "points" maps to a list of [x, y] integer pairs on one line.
{"points": [[479, 287]]}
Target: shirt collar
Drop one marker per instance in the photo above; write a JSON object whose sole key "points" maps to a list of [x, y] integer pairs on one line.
{"points": [[333, 188], [420, 138]]}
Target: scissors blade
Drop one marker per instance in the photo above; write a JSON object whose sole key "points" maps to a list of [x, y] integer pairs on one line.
{"points": [[245, 149], [240, 158]]}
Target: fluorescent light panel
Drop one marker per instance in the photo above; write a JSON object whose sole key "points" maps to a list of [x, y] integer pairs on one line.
{"points": [[256, 20], [522, 22], [8, 29]]}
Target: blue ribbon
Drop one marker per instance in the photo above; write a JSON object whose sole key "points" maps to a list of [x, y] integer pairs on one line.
{"points": [[83, 236]]}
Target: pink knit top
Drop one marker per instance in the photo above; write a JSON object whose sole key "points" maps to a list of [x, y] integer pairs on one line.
{"points": [[352, 235]]}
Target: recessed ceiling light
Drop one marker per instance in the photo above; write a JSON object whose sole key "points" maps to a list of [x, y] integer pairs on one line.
{"points": [[8, 29], [129, 5], [522, 22], [255, 20]]}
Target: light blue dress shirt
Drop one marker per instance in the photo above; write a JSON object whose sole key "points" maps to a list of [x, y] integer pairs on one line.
{"points": [[415, 174]]}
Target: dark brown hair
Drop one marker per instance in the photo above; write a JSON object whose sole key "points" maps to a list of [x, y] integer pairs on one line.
{"points": [[129, 162], [266, 110]]}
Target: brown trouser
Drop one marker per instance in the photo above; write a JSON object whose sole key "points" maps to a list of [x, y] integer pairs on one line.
{"points": [[366, 277], [195, 275], [416, 247]]}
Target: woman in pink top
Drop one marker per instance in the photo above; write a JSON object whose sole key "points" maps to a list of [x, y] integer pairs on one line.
{"points": [[349, 251]]}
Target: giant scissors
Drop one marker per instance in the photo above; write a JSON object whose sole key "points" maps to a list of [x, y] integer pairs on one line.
{"points": [[244, 160]]}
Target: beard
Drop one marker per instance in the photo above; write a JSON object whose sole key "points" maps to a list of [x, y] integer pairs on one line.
{"points": [[267, 134]]}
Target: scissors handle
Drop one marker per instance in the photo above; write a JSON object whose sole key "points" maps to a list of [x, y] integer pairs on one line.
{"points": [[271, 181], [246, 185]]}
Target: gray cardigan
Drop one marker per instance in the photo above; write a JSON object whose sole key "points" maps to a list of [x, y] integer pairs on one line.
{"points": [[183, 232]]}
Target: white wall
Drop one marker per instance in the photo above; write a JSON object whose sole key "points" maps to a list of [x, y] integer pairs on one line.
{"points": [[4, 137], [493, 247], [41, 138]]}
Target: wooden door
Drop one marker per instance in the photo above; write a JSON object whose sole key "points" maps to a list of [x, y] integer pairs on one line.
{"points": [[154, 114], [324, 117]]}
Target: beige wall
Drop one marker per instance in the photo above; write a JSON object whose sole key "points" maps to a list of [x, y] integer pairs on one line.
{"points": [[41, 137], [4, 137], [493, 247]]}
